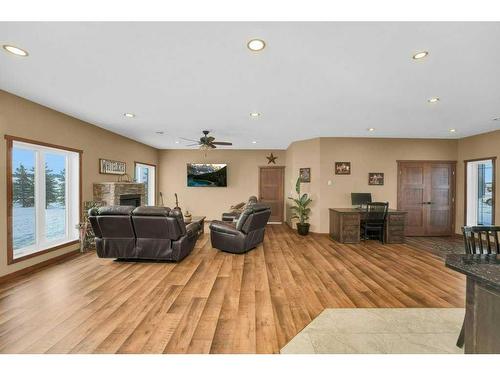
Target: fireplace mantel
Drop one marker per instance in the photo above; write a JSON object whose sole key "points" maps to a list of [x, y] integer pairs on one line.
{"points": [[110, 192]]}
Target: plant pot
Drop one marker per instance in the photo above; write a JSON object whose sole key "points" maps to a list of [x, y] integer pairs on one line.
{"points": [[303, 229]]}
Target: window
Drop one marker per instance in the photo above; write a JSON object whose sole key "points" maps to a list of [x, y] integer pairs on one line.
{"points": [[44, 197], [480, 191], [146, 173]]}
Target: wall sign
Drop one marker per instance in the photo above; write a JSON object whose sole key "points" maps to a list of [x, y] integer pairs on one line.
{"points": [[107, 166]]}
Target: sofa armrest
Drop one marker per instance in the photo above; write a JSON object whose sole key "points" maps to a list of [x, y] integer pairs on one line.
{"points": [[192, 228], [223, 227]]}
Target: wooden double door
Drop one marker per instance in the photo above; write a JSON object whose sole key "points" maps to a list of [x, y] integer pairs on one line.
{"points": [[426, 191]]}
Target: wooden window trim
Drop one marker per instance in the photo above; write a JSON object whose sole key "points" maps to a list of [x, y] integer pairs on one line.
{"points": [[493, 186], [10, 248]]}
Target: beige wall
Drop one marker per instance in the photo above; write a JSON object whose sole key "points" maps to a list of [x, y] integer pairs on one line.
{"points": [[304, 154], [211, 202], [22, 118], [476, 147], [366, 155]]}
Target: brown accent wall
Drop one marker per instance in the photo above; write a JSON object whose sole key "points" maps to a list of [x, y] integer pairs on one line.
{"points": [[23, 118], [242, 175], [476, 147]]}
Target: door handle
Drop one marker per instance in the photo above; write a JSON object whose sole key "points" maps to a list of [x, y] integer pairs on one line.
{"points": [[426, 202]]}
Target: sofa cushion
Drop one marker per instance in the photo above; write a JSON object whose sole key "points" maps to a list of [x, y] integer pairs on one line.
{"points": [[243, 217], [151, 211]]}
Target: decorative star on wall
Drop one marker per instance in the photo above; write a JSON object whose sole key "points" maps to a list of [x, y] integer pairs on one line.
{"points": [[271, 158]]}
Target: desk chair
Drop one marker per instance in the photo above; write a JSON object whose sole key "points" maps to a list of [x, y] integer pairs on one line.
{"points": [[374, 220], [480, 239]]}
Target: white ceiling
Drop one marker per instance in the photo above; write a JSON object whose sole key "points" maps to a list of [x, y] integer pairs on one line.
{"points": [[313, 79]]}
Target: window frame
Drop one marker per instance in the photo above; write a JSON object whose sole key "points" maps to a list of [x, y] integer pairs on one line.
{"points": [[136, 163], [493, 186], [10, 145]]}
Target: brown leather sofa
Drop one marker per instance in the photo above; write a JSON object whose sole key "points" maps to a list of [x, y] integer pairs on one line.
{"points": [[155, 233], [243, 235]]}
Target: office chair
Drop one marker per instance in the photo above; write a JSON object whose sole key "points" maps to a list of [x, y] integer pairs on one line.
{"points": [[374, 220]]}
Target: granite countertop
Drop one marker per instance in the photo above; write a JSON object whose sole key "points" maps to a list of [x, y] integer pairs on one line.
{"points": [[483, 268]]}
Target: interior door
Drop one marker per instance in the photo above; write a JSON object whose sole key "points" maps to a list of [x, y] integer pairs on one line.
{"points": [[411, 196], [441, 197], [426, 190], [271, 190]]}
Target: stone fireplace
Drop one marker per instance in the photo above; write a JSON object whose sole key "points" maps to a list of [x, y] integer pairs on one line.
{"points": [[120, 193]]}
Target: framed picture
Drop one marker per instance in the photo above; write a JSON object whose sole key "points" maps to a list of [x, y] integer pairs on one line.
{"points": [[375, 178], [342, 167], [305, 174], [107, 166]]}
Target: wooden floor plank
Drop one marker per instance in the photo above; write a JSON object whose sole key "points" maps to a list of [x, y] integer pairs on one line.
{"points": [[213, 301]]}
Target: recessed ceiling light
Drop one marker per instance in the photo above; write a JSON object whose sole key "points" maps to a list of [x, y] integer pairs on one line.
{"points": [[177, 142], [129, 115], [254, 142], [254, 114], [15, 50], [371, 129], [256, 45], [453, 130], [420, 55], [433, 100]]}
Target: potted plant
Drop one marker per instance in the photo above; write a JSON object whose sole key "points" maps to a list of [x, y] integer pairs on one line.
{"points": [[301, 210]]}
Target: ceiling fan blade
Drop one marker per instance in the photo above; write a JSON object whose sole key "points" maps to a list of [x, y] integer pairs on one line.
{"points": [[222, 143], [210, 139], [190, 140], [212, 145], [192, 144]]}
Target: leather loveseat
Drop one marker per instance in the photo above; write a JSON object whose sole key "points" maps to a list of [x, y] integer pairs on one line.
{"points": [[156, 233], [243, 235]]}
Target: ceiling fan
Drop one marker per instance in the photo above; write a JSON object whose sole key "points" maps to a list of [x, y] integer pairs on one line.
{"points": [[206, 142]]}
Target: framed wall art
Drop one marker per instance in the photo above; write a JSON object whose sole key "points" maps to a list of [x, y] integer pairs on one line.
{"points": [[343, 167], [107, 166], [305, 174], [375, 178]]}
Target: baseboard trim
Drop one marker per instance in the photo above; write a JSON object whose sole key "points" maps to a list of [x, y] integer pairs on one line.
{"points": [[38, 266]]}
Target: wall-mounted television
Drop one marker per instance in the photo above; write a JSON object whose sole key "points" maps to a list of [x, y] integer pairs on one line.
{"points": [[206, 175]]}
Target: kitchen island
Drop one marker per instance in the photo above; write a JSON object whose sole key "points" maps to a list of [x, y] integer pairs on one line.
{"points": [[482, 301]]}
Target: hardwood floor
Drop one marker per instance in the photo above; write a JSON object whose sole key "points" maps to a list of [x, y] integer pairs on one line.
{"points": [[214, 302]]}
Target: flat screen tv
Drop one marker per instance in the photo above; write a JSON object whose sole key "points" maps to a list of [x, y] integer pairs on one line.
{"points": [[206, 175]]}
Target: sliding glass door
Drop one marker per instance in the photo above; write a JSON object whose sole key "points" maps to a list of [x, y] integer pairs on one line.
{"points": [[43, 200], [480, 192], [146, 174]]}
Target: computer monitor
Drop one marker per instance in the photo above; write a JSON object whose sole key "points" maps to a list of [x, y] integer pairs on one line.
{"points": [[360, 199]]}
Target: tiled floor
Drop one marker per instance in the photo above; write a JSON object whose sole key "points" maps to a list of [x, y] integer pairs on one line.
{"points": [[402, 330]]}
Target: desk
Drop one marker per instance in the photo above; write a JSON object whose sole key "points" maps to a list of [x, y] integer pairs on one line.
{"points": [[345, 225]]}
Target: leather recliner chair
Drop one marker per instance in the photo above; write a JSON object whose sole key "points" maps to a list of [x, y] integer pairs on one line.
{"points": [[155, 233], [235, 214], [245, 234]]}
